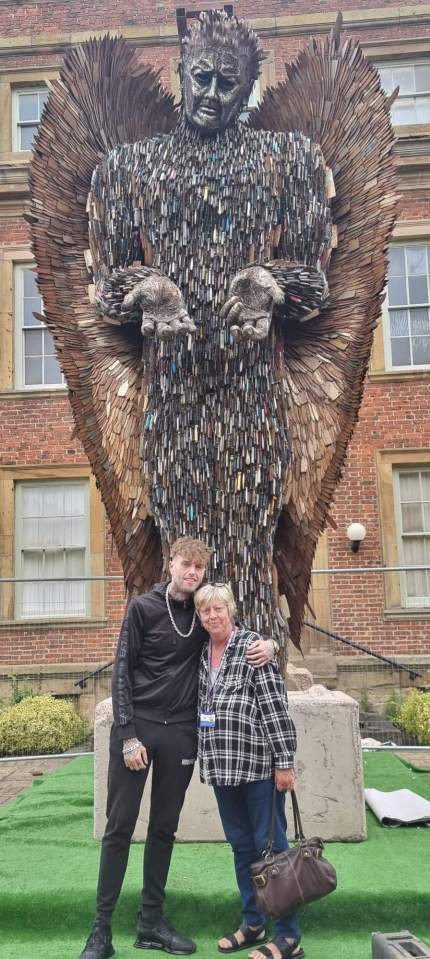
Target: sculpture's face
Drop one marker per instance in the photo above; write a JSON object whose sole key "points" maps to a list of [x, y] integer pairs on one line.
{"points": [[215, 87]]}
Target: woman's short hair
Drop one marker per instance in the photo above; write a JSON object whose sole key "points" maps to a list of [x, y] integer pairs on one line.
{"points": [[215, 592]]}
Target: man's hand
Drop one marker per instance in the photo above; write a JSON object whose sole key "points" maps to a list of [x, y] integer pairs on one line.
{"points": [[249, 306], [260, 652], [163, 309], [137, 759], [284, 780]]}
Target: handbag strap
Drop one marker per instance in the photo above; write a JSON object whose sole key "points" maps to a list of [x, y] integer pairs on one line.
{"points": [[298, 828]]}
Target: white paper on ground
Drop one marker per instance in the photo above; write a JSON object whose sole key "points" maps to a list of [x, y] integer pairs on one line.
{"points": [[400, 807]]}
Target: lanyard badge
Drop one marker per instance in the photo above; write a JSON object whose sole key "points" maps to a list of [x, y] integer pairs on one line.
{"points": [[207, 720]]}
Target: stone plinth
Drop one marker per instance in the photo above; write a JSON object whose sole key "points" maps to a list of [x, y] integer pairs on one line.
{"points": [[328, 765]]}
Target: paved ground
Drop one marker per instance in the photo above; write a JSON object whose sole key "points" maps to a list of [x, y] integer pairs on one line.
{"points": [[421, 760], [15, 776]]}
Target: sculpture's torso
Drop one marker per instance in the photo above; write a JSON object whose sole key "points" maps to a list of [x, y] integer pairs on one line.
{"points": [[215, 443]]}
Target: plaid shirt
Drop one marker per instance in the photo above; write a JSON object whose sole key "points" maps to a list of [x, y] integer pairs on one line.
{"points": [[253, 732]]}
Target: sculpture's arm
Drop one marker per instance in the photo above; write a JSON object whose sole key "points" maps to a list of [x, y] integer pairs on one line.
{"points": [[305, 289], [127, 290], [114, 235], [295, 282], [297, 292]]}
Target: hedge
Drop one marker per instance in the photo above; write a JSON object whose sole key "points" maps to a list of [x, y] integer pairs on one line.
{"points": [[40, 724]]}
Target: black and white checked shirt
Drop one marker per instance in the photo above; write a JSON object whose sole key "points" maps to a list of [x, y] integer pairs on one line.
{"points": [[253, 731]]}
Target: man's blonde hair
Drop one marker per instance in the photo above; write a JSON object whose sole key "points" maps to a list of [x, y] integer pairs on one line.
{"points": [[213, 592], [191, 549]]}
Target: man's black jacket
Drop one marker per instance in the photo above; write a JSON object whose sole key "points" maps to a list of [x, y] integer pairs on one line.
{"points": [[156, 670]]}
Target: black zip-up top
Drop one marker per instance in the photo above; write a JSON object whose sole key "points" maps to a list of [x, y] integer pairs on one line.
{"points": [[156, 671]]}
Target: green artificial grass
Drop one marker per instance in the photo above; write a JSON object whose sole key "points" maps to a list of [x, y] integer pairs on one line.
{"points": [[49, 865]]}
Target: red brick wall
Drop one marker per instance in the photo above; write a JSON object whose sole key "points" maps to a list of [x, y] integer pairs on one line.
{"points": [[38, 432], [13, 231], [394, 415], [45, 18]]}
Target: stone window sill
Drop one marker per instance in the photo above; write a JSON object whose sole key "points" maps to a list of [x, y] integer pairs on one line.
{"points": [[71, 623], [33, 394], [403, 376], [412, 612]]}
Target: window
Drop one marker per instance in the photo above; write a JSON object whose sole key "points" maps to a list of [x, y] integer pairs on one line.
{"points": [[28, 106], [407, 308], [413, 102], [36, 364], [255, 96], [52, 538], [254, 100], [412, 498]]}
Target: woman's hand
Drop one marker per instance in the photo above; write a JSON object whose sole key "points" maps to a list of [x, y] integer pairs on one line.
{"points": [[284, 780], [260, 652]]}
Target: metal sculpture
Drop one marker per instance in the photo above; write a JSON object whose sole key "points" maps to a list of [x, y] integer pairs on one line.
{"points": [[214, 382]]}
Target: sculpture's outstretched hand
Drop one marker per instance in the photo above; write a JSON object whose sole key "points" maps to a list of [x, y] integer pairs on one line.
{"points": [[163, 309], [249, 306]]}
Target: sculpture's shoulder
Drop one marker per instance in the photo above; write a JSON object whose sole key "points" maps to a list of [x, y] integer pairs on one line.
{"points": [[291, 143], [124, 158]]}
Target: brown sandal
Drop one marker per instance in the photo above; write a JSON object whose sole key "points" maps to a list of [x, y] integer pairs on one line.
{"points": [[252, 937]]}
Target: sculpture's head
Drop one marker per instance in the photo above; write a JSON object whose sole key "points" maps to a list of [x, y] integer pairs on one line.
{"points": [[221, 60]]}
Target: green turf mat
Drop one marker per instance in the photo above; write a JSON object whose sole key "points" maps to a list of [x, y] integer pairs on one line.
{"points": [[49, 864], [385, 771]]}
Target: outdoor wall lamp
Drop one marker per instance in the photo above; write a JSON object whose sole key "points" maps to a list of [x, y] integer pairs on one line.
{"points": [[356, 533]]}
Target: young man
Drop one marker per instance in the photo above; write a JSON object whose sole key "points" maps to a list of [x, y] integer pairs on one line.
{"points": [[154, 695]]}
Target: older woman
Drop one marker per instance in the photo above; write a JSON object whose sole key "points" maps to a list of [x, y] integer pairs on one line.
{"points": [[246, 749]]}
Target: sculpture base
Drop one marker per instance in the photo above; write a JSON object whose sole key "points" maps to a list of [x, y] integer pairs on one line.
{"points": [[328, 766]]}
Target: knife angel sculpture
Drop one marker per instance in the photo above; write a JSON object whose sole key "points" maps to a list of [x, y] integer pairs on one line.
{"points": [[212, 295]]}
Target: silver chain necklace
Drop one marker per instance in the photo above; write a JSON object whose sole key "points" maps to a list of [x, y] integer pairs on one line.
{"points": [[178, 631]]}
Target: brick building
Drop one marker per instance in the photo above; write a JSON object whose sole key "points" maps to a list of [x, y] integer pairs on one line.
{"points": [[51, 519]]}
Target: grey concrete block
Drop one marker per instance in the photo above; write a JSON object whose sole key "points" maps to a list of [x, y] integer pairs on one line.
{"points": [[398, 945], [328, 766]]}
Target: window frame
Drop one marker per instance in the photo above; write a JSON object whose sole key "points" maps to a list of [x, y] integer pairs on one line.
{"points": [[405, 601], [398, 64], [19, 351], [19, 615], [17, 124], [385, 313]]}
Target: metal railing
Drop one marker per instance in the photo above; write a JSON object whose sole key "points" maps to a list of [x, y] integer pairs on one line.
{"points": [[413, 674], [368, 675]]}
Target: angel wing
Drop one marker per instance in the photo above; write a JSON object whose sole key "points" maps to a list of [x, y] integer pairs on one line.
{"points": [[333, 95], [103, 97]]}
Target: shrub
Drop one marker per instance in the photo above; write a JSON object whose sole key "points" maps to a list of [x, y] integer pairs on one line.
{"points": [[365, 704], [393, 706], [40, 724], [18, 692], [414, 717]]}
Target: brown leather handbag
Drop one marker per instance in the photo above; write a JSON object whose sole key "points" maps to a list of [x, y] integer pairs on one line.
{"points": [[289, 879]]}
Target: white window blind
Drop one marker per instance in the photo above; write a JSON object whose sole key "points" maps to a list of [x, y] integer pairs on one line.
{"points": [[36, 363], [412, 105], [407, 320], [412, 488], [28, 106], [51, 541]]}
